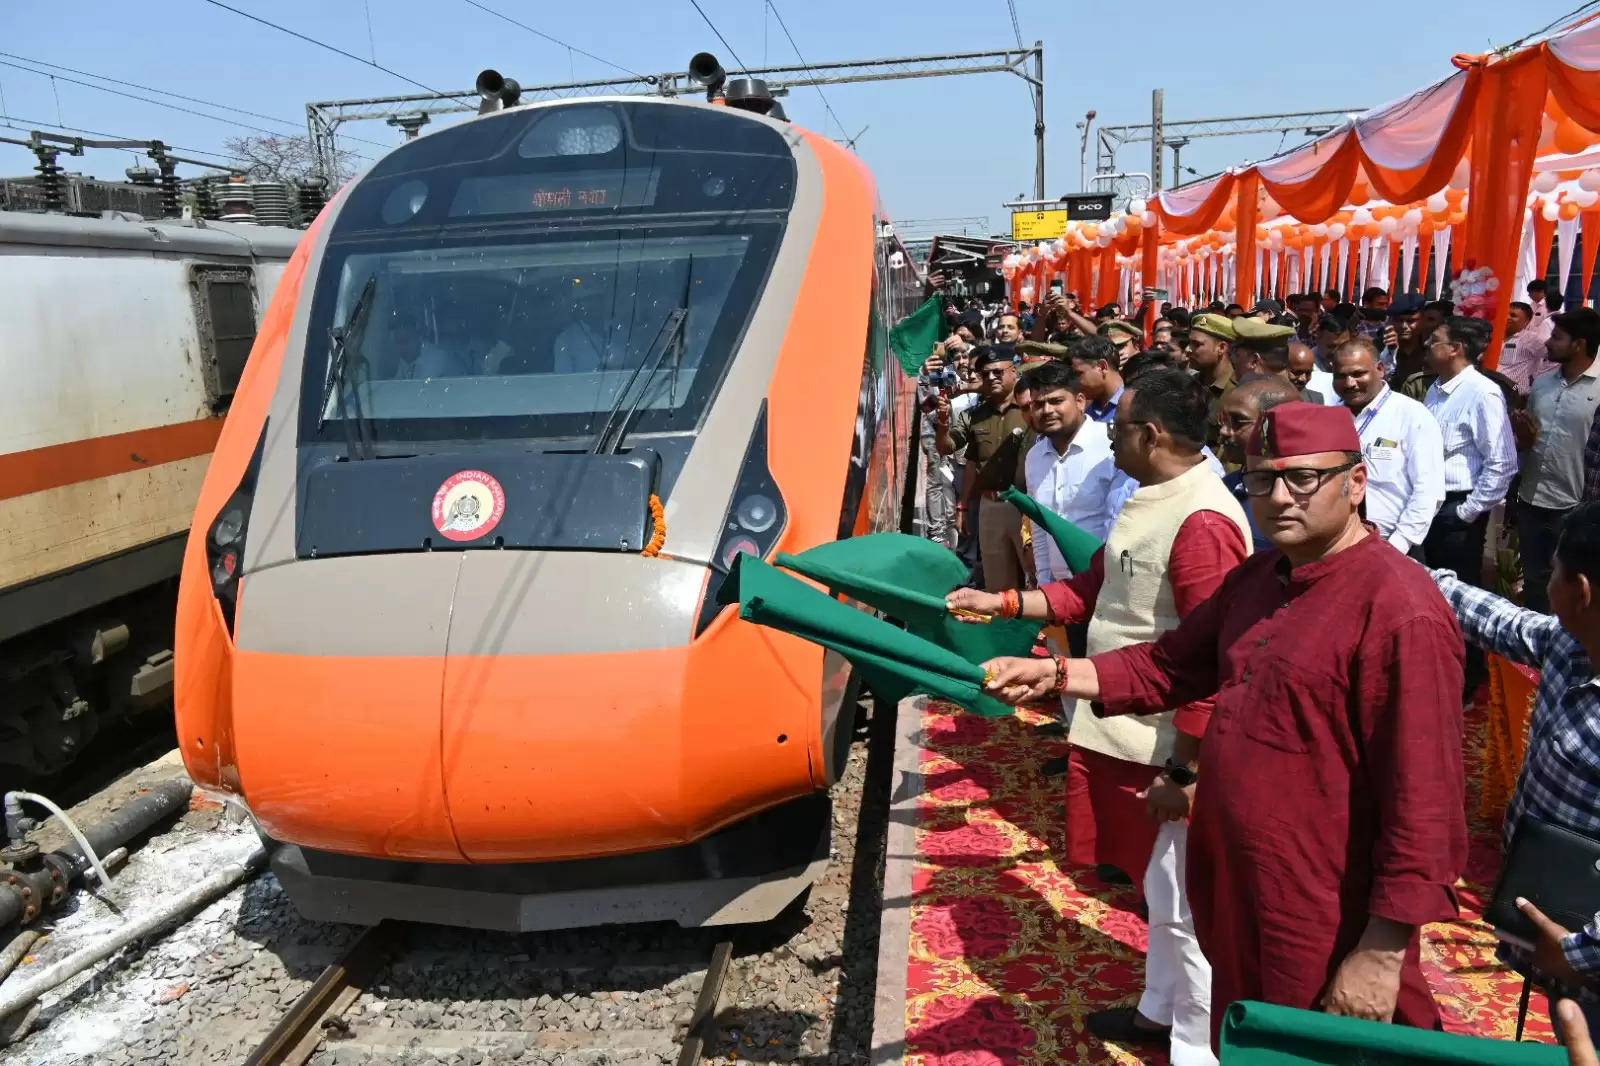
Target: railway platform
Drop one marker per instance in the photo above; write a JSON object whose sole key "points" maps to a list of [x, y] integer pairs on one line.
{"points": [[993, 949]]}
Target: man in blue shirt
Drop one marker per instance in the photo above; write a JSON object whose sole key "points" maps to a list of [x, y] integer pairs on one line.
{"points": [[1095, 360], [1560, 780]]}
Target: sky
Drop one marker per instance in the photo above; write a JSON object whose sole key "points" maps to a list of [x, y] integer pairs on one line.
{"points": [[953, 147]]}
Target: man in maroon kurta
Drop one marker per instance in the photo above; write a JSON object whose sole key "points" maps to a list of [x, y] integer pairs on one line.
{"points": [[1328, 821]]}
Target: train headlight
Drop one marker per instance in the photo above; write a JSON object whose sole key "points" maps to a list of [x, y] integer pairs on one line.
{"points": [[755, 520], [228, 528], [225, 539], [573, 132], [756, 512]]}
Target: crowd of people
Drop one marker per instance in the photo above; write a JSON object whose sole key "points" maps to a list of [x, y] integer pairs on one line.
{"points": [[1260, 688]]}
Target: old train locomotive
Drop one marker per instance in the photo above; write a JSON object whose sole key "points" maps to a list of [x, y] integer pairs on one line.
{"points": [[448, 619]]}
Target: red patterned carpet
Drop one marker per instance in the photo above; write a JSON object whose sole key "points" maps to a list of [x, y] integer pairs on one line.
{"points": [[1011, 948]]}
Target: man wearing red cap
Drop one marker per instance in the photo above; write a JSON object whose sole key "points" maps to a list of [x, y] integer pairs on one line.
{"points": [[1328, 821]]}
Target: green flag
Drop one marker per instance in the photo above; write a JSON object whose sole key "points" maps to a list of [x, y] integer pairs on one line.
{"points": [[894, 662], [907, 578], [1077, 547], [914, 337], [1260, 1034]]}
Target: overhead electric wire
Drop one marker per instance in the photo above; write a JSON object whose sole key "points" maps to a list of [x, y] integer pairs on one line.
{"points": [[1016, 27], [9, 122], [176, 96], [785, 28], [487, 10], [718, 32], [157, 103], [334, 48]]}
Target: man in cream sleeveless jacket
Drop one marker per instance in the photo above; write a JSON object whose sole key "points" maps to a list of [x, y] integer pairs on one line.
{"points": [[1131, 781]]}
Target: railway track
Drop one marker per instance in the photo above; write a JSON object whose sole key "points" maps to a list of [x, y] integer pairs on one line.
{"points": [[317, 1018]]}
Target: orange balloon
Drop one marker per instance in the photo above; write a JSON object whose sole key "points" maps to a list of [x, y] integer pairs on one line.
{"points": [[1572, 138], [1457, 217], [1455, 196], [1570, 211], [1360, 193], [1553, 108], [1261, 233]]}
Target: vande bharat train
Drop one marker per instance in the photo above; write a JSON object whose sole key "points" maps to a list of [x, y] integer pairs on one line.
{"points": [[447, 621]]}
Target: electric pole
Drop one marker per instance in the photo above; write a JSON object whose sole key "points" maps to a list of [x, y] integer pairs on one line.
{"points": [[1156, 138]]}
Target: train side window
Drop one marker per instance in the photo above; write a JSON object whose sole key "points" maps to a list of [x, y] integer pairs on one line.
{"points": [[225, 317]]}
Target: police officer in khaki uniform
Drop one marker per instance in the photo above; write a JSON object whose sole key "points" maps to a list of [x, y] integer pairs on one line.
{"points": [[1260, 348], [990, 434], [1211, 338], [1125, 337]]}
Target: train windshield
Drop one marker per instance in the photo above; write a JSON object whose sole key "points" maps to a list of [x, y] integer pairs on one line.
{"points": [[523, 269]]}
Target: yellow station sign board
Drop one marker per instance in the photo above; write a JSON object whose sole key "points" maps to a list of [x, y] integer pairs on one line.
{"points": [[1038, 225]]}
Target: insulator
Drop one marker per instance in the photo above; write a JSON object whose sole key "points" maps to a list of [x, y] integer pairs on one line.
{"points": [[312, 196], [50, 181]]}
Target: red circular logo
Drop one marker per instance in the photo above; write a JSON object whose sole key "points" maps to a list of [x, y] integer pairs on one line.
{"points": [[468, 505]]}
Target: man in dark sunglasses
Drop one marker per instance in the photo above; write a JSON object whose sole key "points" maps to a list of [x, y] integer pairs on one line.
{"points": [[1328, 821]]}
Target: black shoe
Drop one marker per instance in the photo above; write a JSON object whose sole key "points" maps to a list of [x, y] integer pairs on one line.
{"points": [[1051, 729], [1055, 767], [1111, 875], [1118, 1025]]}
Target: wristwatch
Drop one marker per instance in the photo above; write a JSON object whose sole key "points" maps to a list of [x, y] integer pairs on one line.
{"points": [[1181, 776]]}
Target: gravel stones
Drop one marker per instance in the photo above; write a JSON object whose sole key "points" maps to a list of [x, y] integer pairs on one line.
{"points": [[798, 989]]}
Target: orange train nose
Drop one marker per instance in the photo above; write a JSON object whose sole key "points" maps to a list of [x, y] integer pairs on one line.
{"points": [[525, 757]]}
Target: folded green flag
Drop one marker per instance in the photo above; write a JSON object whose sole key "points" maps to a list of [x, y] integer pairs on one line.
{"points": [[915, 335], [894, 662], [907, 578], [1260, 1034], [1077, 547]]}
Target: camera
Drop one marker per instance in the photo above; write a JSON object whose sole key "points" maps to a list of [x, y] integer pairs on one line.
{"points": [[945, 378]]}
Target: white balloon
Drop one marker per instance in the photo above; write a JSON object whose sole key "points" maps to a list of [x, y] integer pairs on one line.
{"points": [[1412, 218], [1387, 226], [1438, 202], [1550, 211], [1546, 181], [1584, 198], [1589, 180], [1336, 231], [1462, 176], [1360, 216], [1319, 230], [1137, 207], [1044, 248]]}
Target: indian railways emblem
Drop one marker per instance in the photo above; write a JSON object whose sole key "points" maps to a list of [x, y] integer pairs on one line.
{"points": [[468, 505]]}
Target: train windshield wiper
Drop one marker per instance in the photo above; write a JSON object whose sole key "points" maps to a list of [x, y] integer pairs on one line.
{"points": [[346, 341], [609, 439]]}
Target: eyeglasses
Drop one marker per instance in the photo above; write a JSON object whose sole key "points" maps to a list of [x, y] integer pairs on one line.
{"points": [[992, 372], [1300, 480]]}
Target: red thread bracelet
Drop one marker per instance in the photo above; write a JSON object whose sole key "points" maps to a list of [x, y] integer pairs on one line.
{"points": [[1060, 686]]}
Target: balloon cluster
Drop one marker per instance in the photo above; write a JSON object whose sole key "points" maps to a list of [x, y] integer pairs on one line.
{"points": [[1476, 291]]}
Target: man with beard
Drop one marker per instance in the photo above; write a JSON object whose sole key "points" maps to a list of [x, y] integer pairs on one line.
{"points": [[1211, 339], [1328, 822]]}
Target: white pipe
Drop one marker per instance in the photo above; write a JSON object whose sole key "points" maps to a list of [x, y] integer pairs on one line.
{"points": [[197, 895], [72, 827], [16, 951]]}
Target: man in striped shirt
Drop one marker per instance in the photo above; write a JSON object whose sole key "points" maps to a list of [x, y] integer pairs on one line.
{"points": [[1560, 781]]}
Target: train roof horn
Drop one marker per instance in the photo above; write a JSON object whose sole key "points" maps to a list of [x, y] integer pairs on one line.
{"points": [[497, 90], [707, 70]]}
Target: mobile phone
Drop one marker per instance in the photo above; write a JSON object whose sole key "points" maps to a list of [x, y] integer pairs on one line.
{"points": [[1159, 296], [1057, 286]]}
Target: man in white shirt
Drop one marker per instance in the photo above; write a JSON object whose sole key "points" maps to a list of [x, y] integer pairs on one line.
{"points": [[1522, 356], [1480, 458], [1401, 447], [1069, 468]]}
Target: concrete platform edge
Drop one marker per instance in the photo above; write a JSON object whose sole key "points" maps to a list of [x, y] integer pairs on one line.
{"points": [[894, 933]]}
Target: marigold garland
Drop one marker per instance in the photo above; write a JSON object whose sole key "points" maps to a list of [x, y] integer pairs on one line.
{"points": [[658, 520]]}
